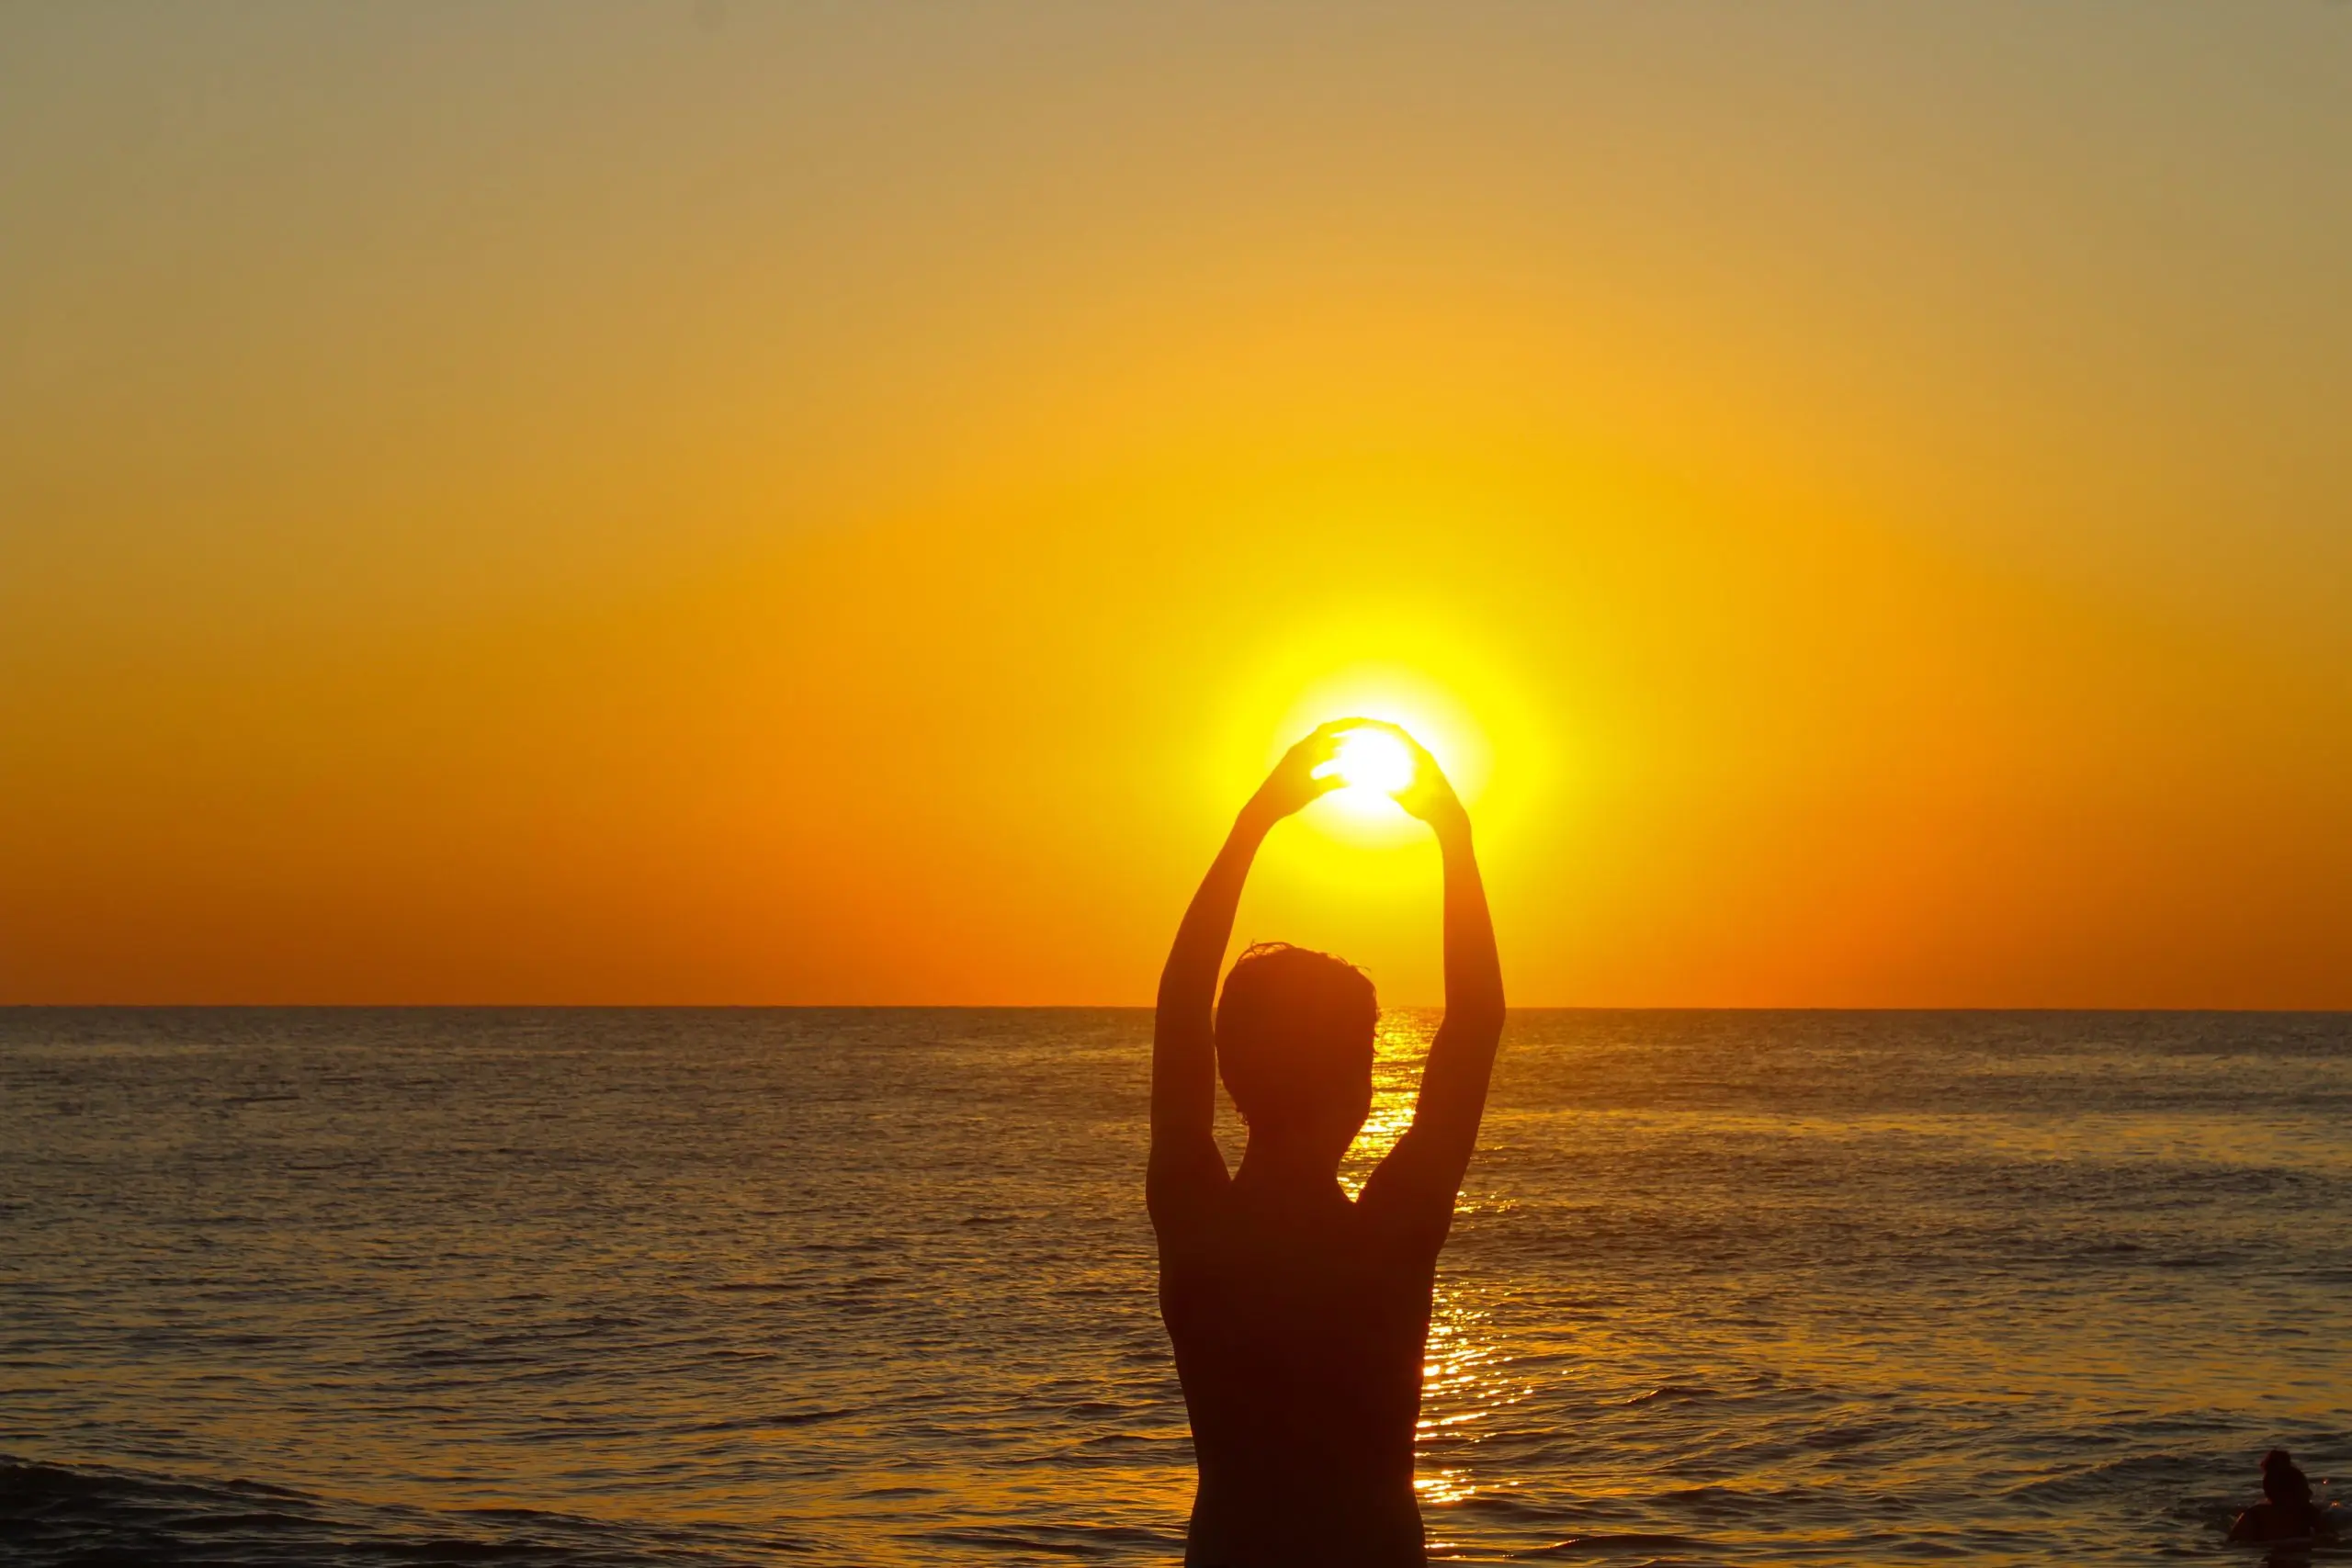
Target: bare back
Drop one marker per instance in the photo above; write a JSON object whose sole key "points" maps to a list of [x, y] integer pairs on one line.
{"points": [[1299, 1326]]}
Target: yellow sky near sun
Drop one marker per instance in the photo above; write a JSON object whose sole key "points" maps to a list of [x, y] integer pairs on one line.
{"points": [[600, 503]]}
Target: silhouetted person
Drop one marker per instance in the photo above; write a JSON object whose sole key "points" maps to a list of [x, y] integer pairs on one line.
{"points": [[2287, 1512], [1298, 1316]]}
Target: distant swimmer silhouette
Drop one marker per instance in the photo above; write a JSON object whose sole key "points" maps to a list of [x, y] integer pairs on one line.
{"points": [[2287, 1512], [1299, 1318]]}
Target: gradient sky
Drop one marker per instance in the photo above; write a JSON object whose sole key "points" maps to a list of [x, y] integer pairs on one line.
{"points": [[726, 503]]}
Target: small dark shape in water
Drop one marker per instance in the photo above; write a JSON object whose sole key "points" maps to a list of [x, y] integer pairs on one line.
{"points": [[2287, 1512]]}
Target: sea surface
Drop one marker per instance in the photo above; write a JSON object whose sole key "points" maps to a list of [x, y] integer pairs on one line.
{"points": [[875, 1287]]}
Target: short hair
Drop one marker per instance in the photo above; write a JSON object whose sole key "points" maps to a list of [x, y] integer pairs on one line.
{"points": [[1295, 1034]]}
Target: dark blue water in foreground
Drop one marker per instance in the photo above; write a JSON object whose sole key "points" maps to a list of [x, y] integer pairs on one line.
{"points": [[875, 1287]]}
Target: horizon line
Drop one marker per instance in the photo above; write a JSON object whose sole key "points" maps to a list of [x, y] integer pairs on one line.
{"points": [[8, 1007]]}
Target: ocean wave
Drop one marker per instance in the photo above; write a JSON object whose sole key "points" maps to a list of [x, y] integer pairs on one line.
{"points": [[56, 1515]]}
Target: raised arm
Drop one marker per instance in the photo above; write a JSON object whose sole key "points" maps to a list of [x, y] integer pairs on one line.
{"points": [[1185, 1155], [1454, 1080]]}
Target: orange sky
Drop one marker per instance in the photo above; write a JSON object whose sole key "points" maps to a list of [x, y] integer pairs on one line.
{"points": [[583, 502]]}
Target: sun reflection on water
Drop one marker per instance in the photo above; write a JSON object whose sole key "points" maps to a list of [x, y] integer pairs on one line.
{"points": [[1466, 1383], [1397, 1048], [1465, 1380]]}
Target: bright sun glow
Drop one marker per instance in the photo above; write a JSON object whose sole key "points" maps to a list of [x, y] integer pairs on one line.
{"points": [[1372, 760]]}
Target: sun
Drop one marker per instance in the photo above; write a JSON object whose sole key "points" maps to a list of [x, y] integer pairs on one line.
{"points": [[1370, 766], [1372, 761]]}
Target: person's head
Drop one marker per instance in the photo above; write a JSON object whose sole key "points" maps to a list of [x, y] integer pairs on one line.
{"points": [[1293, 1045], [2283, 1481]]}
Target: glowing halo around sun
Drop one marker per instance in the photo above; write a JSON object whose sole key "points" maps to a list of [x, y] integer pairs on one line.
{"points": [[1372, 764], [1463, 710]]}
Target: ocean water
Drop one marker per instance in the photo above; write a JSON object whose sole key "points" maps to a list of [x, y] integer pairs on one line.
{"points": [[877, 1288]]}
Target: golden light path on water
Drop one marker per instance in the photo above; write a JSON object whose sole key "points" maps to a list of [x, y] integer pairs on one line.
{"points": [[1465, 1379]]}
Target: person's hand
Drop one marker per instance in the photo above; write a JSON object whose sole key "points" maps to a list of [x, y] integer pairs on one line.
{"points": [[1429, 795], [1302, 776]]}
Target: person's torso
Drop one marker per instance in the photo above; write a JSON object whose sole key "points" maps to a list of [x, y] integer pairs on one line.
{"points": [[1299, 1341]]}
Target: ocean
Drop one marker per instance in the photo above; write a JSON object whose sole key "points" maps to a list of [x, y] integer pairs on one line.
{"points": [[875, 1287]]}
